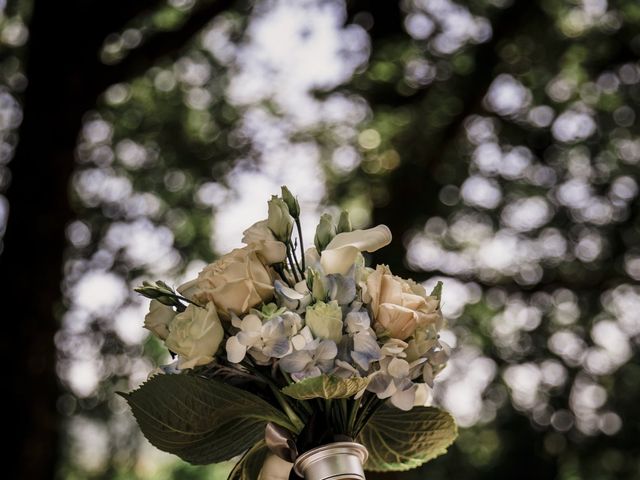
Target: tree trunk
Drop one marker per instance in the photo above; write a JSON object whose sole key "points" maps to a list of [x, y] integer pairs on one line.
{"points": [[31, 261], [65, 77]]}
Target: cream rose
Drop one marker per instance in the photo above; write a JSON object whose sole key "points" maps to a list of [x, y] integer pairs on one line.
{"points": [[158, 319], [260, 237], [399, 306], [195, 335], [236, 282]]}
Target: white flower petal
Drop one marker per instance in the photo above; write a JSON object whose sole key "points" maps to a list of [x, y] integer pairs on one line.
{"points": [[307, 335], [251, 323], [365, 350], [327, 350], [235, 321], [339, 260], [398, 368], [343, 289], [235, 350], [424, 396], [394, 347], [273, 328], [301, 287], [277, 348], [368, 240], [287, 292], [259, 357], [249, 339], [404, 399], [306, 373], [345, 370], [381, 384], [298, 341], [357, 322], [295, 362]]}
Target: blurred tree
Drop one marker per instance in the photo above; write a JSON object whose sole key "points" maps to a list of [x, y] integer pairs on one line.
{"points": [[66, 75], [497, 139], [512, 159]]}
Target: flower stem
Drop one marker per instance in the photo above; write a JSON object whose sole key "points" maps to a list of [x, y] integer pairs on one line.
{"points": [[371, 405], [180, 297], [295, 259], [293, 267], [353, 415], [288, 409], [280, 270], [296, 422], [344, 414], [299, 227]]}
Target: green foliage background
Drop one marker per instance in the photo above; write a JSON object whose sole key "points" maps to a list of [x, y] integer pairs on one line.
{"points": [[497, 139]]}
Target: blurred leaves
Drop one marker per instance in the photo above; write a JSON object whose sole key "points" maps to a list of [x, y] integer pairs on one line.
{"points": [[498, 140]]}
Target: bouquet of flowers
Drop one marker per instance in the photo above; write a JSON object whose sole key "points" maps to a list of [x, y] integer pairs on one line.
{"points": [[292, 358]]}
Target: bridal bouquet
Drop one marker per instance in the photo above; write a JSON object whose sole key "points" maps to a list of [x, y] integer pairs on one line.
{"points": [[280, 352]]}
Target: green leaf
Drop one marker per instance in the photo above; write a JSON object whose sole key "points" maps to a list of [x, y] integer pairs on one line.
{"points": [[437, 291], [249, 466], [325, 386], [201, 420], [399, 441]]}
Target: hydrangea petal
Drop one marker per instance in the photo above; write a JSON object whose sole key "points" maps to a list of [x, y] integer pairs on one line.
{"points": [[235, 350], [327, 350], [398, 368], [295, 362], [404, 399], [424, 396]]}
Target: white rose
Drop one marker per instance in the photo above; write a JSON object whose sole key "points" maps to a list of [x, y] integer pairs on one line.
{"points": [[195, 335], [260, 237], [341, 253], [236, 282], [399, 306], [158, 319]]}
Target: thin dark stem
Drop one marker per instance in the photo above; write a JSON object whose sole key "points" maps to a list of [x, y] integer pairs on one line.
{"points": [[293, 267], [280, 271], [180, 297], [344, 415], [371, 405], [295, 259], [299, 227], [293, 415], [353, 415]]}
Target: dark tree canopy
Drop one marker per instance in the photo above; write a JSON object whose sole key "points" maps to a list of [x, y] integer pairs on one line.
{"points": [[496, 138]]}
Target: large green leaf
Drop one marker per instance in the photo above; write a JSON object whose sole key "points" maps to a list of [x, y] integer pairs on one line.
{"points": [[399, 441], [325, 386], [249, 466], [201, 420]]}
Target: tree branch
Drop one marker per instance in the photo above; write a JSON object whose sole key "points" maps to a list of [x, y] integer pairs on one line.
{"points": [[162, 44], [118, 13], [427, 141]]}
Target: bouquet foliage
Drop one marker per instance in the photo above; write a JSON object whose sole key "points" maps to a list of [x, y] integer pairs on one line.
{"points": [[278, 349]]}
